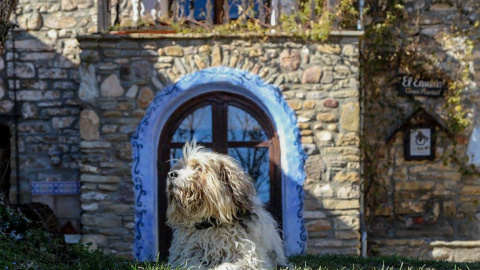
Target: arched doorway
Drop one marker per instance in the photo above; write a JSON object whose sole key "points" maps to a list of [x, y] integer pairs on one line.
{"points": [[146, 142], [229, 124]]}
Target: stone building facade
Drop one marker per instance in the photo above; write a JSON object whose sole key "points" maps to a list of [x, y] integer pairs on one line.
{"points": [[318, 81], [79, 97], [39, 80]]}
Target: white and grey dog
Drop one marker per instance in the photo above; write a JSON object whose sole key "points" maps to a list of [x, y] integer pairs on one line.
{"points": [[218, 222]]}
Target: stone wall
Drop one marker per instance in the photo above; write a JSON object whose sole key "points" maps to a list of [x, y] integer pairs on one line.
{"points": [[424, 201], [41, 65], [122, 74]]}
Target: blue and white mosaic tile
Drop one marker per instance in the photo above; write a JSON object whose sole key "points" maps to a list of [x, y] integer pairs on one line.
{"points": [[56, 188]]}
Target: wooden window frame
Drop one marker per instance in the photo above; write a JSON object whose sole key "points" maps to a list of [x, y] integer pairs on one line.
{"points": [[219, 102]]}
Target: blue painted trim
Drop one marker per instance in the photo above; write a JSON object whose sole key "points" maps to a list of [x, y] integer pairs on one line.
{"points": [[146, 138]]}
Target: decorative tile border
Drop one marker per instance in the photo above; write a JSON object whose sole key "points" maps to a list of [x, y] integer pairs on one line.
{"points": [[145, 145], [56, 188]]}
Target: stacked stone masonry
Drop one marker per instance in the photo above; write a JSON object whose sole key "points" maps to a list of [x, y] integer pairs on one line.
{"points": [[319, 82], [84, 97], [428, 209], [40, 70]]}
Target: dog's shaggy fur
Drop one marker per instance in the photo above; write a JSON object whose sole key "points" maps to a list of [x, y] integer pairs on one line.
{"points": [[218, 222]]}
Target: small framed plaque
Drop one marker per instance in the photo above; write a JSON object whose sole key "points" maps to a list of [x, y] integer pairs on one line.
{"points": [[419, 142]]}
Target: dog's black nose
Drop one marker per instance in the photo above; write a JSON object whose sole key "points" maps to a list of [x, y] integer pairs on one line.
{"points": [[173, 174]]}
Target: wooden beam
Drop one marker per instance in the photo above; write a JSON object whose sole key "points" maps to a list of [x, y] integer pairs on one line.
{"points": [[261, 10], [211, 6], [103, 15], [218, 6], [164, 10]]}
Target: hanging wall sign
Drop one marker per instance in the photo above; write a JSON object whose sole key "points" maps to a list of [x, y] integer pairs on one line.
{"points": [[419, 142], [415, 85]]}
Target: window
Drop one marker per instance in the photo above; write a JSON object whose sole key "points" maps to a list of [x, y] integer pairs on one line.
{"points": [[228, 124]]}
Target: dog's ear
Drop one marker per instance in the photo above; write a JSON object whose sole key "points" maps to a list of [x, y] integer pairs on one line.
{"points": [[239, 186]]}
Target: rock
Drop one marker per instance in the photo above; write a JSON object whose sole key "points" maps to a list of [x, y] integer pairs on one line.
{"points": [[255, 52], [96, 240], [350, 192], [330, 103], [340, 204], [312, 75], [332, 127], [290, 60], [199, 62], [132, 91], [348, 139], [141, 70], [295, 104], [60, 21], [346, 235], [89, 207], [322, 191], [111, 87], [29, 110], [204, 49], [343, 176], [216, 56], [309, 104], [31, 21], [95, 178], [173, 51], [314, 214], [89, 125], [327, 77], [88, 90], [318, 225], [62, 122], [329, 48], [307, 139], [90, 57], [6, 106], [24, 70], [68, 5], [349, 50], [326, 117], [165, 59], [94, 196], [350, 116], [145, 97], [95, 145], [325, 135], [315, 167]]}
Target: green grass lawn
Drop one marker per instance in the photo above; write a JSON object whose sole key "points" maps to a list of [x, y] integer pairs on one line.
{"points": [[36, 255]]}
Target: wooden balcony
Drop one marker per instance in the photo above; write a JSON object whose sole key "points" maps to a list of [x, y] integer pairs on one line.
{"points": [[209, 13]]}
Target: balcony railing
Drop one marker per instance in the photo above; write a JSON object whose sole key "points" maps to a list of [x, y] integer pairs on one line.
{"points": [[162, 14]]}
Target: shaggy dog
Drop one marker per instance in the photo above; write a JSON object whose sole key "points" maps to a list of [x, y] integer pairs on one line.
{"points": [[218, 222]]}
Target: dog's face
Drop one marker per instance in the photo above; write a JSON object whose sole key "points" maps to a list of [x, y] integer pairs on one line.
{"points": [[205, 186]]}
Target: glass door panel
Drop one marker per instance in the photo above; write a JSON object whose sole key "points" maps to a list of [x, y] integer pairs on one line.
{"points": [[256, 162], [197, 125]]}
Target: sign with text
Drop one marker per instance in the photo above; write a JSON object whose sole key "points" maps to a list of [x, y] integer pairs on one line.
{"points": [[413, 85]]}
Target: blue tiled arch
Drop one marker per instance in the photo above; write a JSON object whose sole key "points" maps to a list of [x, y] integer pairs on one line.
{"points": [[146, 138]]}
